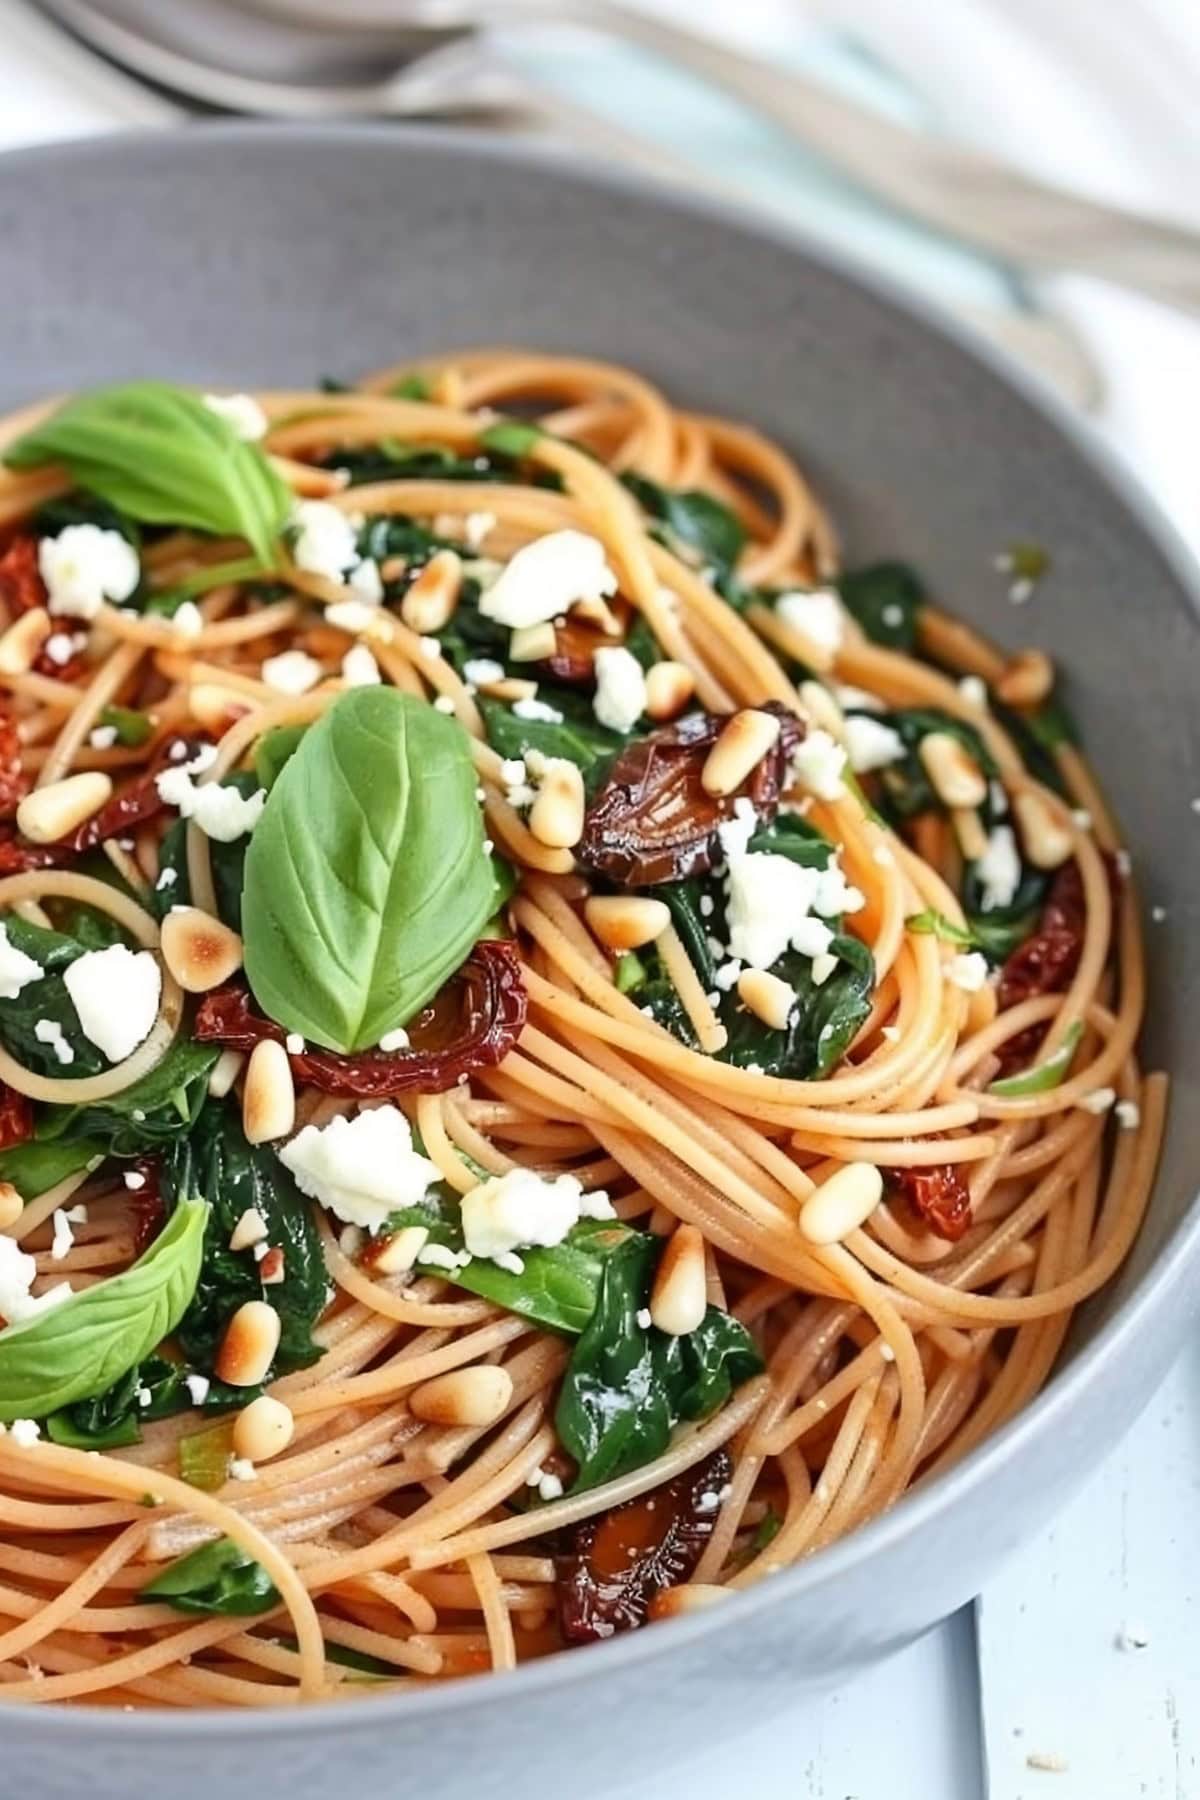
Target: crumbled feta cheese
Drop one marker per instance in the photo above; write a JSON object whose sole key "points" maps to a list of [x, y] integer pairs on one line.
{"points": [[1158, 914], [818, 763], [643, 1318], [394, 1040], [440, 1256], [102, 737], [480, 671], [351, 615], [520, 1208], [883, 855], [197, 1387], [998, 795], [325, 541], [536, 710], [1128, 1114], [431, 647], [187, 621], [293, 1043], [134, 1180], [24, 1433], [18, 1272], [63, 1240], [968, 971], [734, 834], [1098, 1101], [115, 993], [707, 906], [60, 647], [856, 699], [811, 937], [84, 566], [1082, 817], [241, 412], [241, 1469], [999, 869], [477, 526], [546, 577], [822, 968], [292, 672], [871, 745], [76, 1215], [443, 704], [817, 615], [49, 1031], [361, 1169], [835, 895], [220, 812], [973, 689], [727, 975], [359, 668], [769, 900], [549, 1488], [365, 582], [620, 698], [16, 969]]}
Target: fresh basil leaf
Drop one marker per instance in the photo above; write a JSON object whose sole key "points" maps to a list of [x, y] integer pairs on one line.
{"points": [[160, 455], [884, 599], [83, 1345], [133, 728], [217, 1578], [627, 1385], [36, 1166], [694, 520], [234, 1176], [153, 1111], [228, 861], [366, 878], [932, 923], [1047, 1075]]}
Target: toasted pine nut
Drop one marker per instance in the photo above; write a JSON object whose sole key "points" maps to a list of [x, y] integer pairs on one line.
{"points": [[263, 1429], [679, 1297], [250, 1229], [1027, 679], [533, 643], [11, 1205], [768, 998], [556, 816], [509, 687], [1047, 843], [626, 921], [956, 779], [216, 707], [269, 1096], [225, 1072], [691, 1596], [842, 1203], [22, 642], [596, 611], [199, 950], [397, 1255], [477, 1396], [249, 1345], [430, 602], [49, 813], [968, 829], [669, 687], [738, 751], [823, 709]]}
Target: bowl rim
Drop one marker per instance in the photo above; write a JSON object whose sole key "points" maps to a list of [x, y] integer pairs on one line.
{"points": [[918, 1510]]}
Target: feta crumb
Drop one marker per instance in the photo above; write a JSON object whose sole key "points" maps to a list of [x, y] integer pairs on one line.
{"points": [[537, 710], [818, 763], [76, 1215], [883, 855], [547, 577], [84, 566], [443, 704], [770, 898], [241, 412], [999, 869], [134, 1181], [359, 668], [197, 1387], [1158, 914], [707, 906], [102, 737], [394, 1040], [834, 894], [550, 1488], [49, 1031], [439, 1256], [1082, 818], [60, 647], [891, 1033], [643, 1318], [968, 971], [817, 615], [16, 969], [24, 1433], [1043, 1760], [63, 1241], [187, 621], [115, 993], [220, 812], [856, 699], [431, 647], [620, 698], [293, 1043], [1128, 1114], [727, 975], [365, 582], [292, 672], [18, 1272], [481, 671], [361, 1169], [351, 615], [973, 689], [325, 542], [241, 1469], [1098, 1101], [513, 1211], [477, 526], [871, 745]]}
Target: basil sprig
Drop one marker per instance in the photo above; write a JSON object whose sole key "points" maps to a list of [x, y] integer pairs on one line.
{"points": [[79, 1348], [366, 879], [160, 455]]}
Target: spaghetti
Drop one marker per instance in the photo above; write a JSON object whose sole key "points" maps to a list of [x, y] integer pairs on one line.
{"points": [[816, 980]]}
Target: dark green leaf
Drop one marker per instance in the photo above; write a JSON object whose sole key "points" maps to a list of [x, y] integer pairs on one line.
{"points": [[578, 735], [412, 387], [154, 1110], [36, 1166], [694, 520], [228, 860], [906, 789], [884, 599], [1046, 1075], [217, 1578]]}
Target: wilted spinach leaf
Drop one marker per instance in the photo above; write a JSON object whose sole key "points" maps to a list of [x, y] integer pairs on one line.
{"points": [[694, 521], [578, 736], [905, 788], [154, 1110], [228, 859], [884, 599], [217, 1578]]}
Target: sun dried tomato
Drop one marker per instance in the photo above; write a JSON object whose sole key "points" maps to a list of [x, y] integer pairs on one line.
{"points": [[576, 642], [471, 1023], [1046, 962], [653, 821], [137, 803], [146, 1202], [14, 783], [16, 1117], [21, 584], [618, 1562], [939, 1194]]}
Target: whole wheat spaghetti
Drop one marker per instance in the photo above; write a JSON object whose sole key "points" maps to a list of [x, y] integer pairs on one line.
{"points": [[560, 1050]]}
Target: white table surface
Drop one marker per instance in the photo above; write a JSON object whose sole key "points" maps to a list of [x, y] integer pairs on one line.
{"points": [[1076, 1675]]}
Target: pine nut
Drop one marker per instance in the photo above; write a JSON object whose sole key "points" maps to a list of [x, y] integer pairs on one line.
{"points": [[216, 707], [822, 709], [11, 1205], [626, 921], [269, 1096], [768, 998], [968, 829], [738, 751], [1047, 843], [679, 1298], [250, 1229], [200, 952], [556, 816], [476, 1396], [692, 1596], [533, 643], [49, 813], [430, 602], [956, 779], [669, 687], [249, 1345], [595, 610], [225, 1072], [842, 1203], [263, 1430], [22, 642], [510, 688], [1026, 680], [398, 1254]]}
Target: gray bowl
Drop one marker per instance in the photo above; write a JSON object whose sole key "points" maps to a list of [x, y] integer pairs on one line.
{"points": [[232, 254]]}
